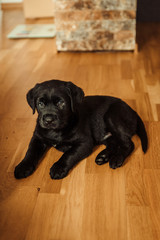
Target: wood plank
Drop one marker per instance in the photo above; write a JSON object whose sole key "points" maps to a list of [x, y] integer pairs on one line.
{"points": [[104, 214], [63, 211], [15, 211]]}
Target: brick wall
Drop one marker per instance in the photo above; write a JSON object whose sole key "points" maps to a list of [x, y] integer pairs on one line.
{"points": [[89, 25]]}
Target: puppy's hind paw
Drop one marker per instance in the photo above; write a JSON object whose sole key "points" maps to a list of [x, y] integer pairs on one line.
{"points": [[102, 157], [116, 162]]}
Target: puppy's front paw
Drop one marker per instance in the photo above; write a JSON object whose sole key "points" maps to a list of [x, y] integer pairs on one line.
{"points": [[23, 170], [58, 171]]}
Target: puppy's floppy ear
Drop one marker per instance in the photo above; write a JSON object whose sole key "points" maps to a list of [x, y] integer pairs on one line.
{"points": [[76, 95], [31, 99]]}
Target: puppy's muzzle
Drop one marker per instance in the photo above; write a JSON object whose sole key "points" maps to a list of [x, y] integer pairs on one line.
{"points": [[49, 119]]}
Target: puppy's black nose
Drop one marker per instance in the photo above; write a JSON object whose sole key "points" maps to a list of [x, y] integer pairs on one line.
{"points": [[49, 118]]}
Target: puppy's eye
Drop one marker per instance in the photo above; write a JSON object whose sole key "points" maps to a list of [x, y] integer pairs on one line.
{"points": [[60, 104], [41, 104]]}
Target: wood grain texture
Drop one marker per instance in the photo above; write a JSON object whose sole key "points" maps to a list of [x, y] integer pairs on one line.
{"points": [[92, 202]]}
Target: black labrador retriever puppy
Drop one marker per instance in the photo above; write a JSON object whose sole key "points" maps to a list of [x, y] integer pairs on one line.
{"points": [[75, 124]]}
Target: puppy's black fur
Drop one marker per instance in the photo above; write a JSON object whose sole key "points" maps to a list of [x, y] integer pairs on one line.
{"points": [[75, 124]]}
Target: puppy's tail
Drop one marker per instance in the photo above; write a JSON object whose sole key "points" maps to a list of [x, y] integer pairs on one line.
{"points": [[141, 132]]}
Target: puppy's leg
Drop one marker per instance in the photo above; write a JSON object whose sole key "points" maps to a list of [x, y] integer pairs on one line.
{"points": [[34, 153], [121, 121], [122, 151], [116, 152], [70, 158], [104, 156]]}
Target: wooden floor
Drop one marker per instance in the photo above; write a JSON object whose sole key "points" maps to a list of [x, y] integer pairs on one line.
{"points": [[93, 202]]}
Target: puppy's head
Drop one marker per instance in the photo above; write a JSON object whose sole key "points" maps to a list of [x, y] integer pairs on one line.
{"points": [[55, 101]]}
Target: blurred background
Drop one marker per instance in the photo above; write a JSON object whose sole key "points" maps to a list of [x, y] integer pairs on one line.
{"points": [[147, 10]]}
